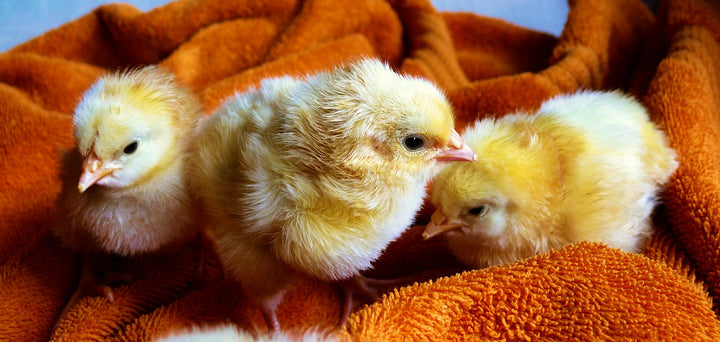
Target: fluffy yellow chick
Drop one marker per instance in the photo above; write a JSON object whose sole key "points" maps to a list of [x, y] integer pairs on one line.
{"points": [[587, 166], [317, 176], [124, 189]]}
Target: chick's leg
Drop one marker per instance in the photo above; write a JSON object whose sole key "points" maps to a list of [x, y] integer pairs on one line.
{"points": [[98, 273], [361, 290], [262, 276], [268, 307], [268, 294], [93, 284]]}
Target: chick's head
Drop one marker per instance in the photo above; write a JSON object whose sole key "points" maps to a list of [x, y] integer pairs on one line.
{"points": [[128, 127], [374, 121], [505, 200]]}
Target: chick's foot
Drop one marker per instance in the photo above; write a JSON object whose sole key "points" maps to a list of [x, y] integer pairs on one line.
{"points": [[91, 284]]}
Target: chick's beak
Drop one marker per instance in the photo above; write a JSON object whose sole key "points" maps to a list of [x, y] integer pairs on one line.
{"points": [[457, 150], [93, 171], [438, 224]]}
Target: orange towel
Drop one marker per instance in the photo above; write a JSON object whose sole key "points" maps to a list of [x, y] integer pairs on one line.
{"points": [[486, 66]]}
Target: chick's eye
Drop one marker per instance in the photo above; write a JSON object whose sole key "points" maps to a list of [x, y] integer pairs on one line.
{"points": [[480, 210], [413, 142], [131, 148]]}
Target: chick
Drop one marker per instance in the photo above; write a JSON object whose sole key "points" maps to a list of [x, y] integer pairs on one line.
{"points": [[124, 188], [230, 333], [587, 166], [317, 176]]}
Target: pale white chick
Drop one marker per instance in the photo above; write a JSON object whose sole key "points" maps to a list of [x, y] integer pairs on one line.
{"points": [[317, 175], [230, 333], [124, 189], [586, 166]]}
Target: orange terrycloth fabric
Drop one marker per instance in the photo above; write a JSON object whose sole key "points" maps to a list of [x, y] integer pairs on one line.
{"points": [[487, 67], [684, 96]]}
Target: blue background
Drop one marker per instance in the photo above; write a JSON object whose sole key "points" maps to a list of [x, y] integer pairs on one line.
{"points": [[21, 20]]}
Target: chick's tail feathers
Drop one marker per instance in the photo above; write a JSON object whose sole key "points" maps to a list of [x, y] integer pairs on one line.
{"points": [[660, 158]]}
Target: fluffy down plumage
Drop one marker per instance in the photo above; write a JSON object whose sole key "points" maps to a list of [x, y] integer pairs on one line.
{"points": [[586, 166], [124, 188], [318, 175], [229, 333]]}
